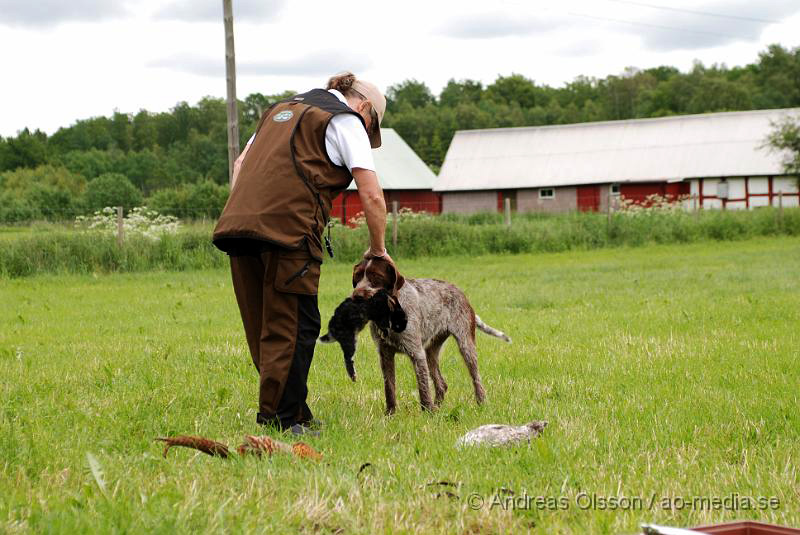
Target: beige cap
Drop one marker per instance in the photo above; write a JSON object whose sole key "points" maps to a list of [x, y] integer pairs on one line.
{"points": [[378, 101]]}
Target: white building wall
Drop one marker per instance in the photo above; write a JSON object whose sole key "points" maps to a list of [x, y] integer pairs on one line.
{"points": [[469, 202], [712, 204], [786, 184], [757, 192], [736, 188], [694, 187], [759, 184], [789, 186]]}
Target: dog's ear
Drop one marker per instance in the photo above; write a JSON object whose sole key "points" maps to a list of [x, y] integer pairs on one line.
{"points": [[396, 280], [358, 272]]}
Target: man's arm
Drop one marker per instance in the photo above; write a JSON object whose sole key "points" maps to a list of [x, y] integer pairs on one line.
{"points": [[237, 165], [371, 194]]}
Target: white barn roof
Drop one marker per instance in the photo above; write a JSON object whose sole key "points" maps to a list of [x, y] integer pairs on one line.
{"points": [[398, 166], [636, 150]]}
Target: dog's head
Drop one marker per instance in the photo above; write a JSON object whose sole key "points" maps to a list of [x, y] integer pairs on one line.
{"points": [[385, 311], [371, 275], [347, 321]]}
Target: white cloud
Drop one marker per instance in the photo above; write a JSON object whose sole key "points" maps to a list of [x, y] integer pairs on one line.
{"points": [[86, 57], [496, 25], [42, 13], [191, 64], [737, 20], [315, 64], [211, 10]]}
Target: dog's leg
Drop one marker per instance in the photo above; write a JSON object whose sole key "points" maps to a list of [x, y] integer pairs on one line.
{"points": [[387, 368], [420, 363], [439, 384], [466, 344]]}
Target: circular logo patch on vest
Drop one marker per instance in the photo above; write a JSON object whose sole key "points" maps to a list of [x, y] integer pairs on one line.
{"points": [[283, 116]]}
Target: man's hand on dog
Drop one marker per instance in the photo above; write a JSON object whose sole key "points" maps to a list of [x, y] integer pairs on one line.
{"points": [[381, 254]]}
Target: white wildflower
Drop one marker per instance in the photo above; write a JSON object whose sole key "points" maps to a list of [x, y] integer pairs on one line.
{"points": [[651, 205], [140, 221]]}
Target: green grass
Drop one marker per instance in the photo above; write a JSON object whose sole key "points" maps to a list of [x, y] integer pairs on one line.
{"points": [[52, 248], [663, 371], [10, 233]]}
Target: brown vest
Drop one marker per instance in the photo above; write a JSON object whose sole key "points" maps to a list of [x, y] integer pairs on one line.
{"points": [[287, 182]]}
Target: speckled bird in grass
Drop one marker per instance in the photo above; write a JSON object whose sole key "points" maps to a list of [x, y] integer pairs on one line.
{"points": [[502, 435]]}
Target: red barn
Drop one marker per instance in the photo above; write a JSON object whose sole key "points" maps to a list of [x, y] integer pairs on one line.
{"points": [[714, 160], [404, 178]]}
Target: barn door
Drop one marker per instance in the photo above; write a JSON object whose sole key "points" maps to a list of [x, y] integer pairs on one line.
{"points": [[502, 195], [589, 198]]}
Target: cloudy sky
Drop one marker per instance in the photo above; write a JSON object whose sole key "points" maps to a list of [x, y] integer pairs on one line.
{"points": [[67, 60]]}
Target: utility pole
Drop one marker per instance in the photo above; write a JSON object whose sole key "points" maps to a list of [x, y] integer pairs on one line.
{"points": [[230, 73]]}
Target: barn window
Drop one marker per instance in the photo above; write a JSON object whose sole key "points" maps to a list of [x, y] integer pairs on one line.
{"points": [[547, 193], [614, 189]]}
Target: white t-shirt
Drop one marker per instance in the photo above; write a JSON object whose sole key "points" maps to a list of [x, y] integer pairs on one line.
{"points": [[346, 140]]}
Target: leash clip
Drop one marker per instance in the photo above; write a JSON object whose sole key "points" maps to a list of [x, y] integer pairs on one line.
{"points": [[328, 244]]}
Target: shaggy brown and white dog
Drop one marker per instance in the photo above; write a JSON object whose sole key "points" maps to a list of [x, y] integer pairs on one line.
{"points": [[434, 310]]}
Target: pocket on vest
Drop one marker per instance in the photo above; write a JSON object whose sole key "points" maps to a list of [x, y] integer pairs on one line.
{"points": [[297, 273]]}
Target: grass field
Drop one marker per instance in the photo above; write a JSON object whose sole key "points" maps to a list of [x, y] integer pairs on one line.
{"points": [[12, 233], [59, 249], [666, 372]]}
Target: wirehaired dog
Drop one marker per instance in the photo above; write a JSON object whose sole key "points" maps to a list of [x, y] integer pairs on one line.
{"points": [[435, 310], [352, 315]]}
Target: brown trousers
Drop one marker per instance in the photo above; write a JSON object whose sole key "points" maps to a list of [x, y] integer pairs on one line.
{"points": [[277, 295]]}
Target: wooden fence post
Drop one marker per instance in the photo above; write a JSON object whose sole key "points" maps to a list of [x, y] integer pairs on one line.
{"points": [[394, 226], [120, 227], [507, 208], [780, 210], [230, 76]]}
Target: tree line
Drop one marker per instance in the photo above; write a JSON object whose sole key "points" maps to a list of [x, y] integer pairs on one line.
{"points": [[428, 123], [176, 161]]}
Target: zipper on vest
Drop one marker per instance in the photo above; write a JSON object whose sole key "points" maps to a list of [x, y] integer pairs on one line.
{"points": [[301, 273], [320, 208]]}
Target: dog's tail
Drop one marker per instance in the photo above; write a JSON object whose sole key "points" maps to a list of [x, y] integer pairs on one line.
{"points": [[490, 330]]}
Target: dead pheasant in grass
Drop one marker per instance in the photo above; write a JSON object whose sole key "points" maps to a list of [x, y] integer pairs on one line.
{"points": [[253, 445], [209, 447]]}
